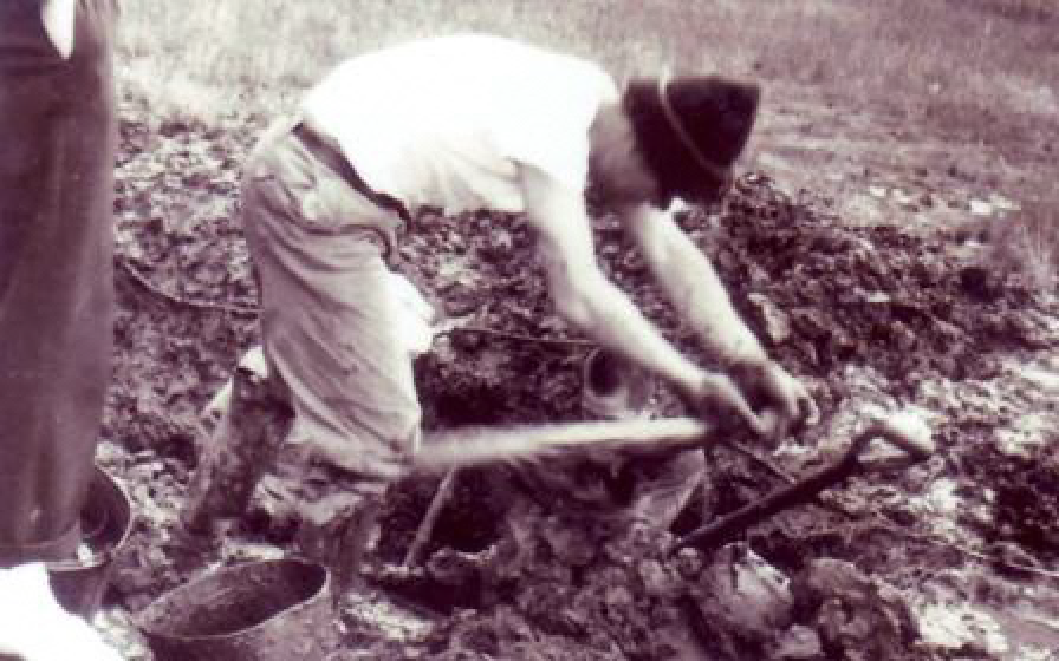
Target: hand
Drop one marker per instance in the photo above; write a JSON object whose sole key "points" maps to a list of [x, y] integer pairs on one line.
{"points": [[716, 398], [780, 399]]}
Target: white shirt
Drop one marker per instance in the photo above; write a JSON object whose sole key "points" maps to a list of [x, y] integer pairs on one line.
{"points": [[58, 18], [447, 122]]}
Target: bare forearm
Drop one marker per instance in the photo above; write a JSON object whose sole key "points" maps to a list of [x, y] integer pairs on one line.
{"points": [[611, 319], [700, 298]]}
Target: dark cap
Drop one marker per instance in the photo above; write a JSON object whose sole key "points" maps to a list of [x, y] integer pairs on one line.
{"points": [[690, 130]]}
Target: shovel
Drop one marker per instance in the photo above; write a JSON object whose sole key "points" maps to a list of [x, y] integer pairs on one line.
{"points": [[450, 450], [904, 431], [471, 446]]}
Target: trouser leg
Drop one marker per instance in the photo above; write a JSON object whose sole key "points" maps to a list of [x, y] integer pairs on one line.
{"points": [[329, 328], [329, 322], [56, 159], [337, 534], [240, 446]]}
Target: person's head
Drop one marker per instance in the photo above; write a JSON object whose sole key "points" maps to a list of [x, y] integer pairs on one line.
{"points": [[670, 139]]}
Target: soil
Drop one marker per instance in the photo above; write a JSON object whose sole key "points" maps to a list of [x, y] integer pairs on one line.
{"points": [[857, 272]]}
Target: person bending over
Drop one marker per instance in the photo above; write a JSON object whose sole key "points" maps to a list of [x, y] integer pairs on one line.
{"points": [[479, 122]]}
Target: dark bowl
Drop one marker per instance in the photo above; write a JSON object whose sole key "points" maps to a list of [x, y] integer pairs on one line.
{"points": [[105, 522], [273, 610]]}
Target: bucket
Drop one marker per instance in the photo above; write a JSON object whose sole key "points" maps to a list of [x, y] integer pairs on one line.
{"points": [[613, 388], [106, 518], [273, 610]]}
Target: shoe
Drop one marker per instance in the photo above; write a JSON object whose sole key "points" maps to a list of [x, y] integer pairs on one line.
{"points": [[34, 627]]}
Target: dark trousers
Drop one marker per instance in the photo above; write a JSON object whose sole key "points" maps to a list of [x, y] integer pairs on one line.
{"points": [[56, 187]]}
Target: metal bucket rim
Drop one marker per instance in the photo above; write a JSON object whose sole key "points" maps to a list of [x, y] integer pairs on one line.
{"points": [[100, 557], [629, 397], [321, 592]]}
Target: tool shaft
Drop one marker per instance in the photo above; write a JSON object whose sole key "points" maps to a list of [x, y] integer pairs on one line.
{"points": [[903, 432], [783, 498], [478, 445]]}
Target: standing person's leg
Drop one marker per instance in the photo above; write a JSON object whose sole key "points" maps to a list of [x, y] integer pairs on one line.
{"points": [[56, 159], [330, 330]]}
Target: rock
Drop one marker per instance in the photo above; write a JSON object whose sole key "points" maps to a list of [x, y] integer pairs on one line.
{"points": [[947, 625], [689, 563], [857, 617], [799, 643], [743, 594], [1004, 204], [905, 200], [773, 321], [658, 580]]}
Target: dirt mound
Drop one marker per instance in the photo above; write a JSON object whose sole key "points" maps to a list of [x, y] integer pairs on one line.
{"points": [[828, 300], [824, 294], [1023, 510]]}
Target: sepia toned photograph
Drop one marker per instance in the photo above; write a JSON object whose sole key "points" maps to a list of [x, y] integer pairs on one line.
{"points": [[600, 330]]}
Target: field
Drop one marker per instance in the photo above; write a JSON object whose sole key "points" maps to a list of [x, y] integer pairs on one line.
{"points": [[894, 243], [856, 94]]}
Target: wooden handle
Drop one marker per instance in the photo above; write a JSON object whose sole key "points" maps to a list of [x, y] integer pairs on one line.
{"points": [[477, 445]]}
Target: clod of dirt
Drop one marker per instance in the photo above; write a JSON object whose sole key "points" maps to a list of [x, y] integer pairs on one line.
{"points": [[1026, 498], [741, 602], [798, 643], [858, 618]]}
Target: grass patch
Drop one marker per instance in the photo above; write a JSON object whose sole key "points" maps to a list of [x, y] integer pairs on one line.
{"points": [[985, 70], [1028, 244], [220, 57]]}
